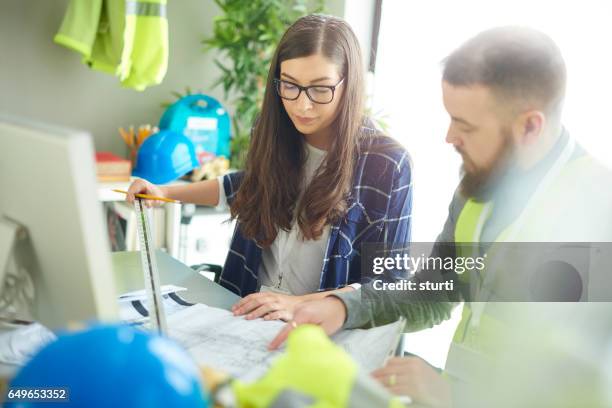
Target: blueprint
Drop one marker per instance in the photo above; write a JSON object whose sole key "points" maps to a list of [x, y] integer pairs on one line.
{"points": [[218, 339]]}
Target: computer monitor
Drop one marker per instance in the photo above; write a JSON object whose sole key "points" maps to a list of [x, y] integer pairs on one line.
{"points": [[48, 187]]}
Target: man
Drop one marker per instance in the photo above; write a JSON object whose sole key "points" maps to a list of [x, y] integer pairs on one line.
{"points": [[524, 180]]}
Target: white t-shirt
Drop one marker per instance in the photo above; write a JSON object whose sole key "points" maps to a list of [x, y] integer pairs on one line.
{"points": [[291, 263]]}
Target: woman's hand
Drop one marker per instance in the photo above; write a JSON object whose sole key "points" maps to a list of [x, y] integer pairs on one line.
{"points": [[270, 305], [140, 186], [413, 377]]}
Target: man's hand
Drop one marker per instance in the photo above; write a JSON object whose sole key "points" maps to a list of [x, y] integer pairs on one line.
{"points": [[413, 377], [270, 305], [329, 313]]}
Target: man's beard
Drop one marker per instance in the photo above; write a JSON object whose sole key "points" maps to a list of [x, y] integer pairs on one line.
{"points": [[477, 181]]}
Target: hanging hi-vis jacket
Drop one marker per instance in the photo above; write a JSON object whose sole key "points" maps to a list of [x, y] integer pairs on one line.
{"points": [[128, 39], [314, 372]]}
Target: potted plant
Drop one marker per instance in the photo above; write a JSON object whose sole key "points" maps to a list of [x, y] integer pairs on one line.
{"points": [[245, 36]]}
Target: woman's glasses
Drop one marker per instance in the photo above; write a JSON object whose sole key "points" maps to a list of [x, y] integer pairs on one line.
{"points": [[321, 94]]}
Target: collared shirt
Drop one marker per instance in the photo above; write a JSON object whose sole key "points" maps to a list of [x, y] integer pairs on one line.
{"points": [[378, 210]]}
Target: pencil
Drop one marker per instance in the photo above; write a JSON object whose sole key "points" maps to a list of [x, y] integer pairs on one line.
{"points": [[149, 197]]}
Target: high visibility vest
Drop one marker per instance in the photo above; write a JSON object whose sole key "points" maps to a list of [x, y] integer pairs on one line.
{"points": [[128, 39], [144, 59], [314, 372], [571, 207]]}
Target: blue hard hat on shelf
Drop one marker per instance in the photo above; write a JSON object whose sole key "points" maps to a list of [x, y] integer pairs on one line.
{"points": [[164, 157], [112, 366]]}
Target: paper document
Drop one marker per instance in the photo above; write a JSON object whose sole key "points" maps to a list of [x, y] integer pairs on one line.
{"points": [[142, 294], [216, 338], [18, 345], [133, 307]]}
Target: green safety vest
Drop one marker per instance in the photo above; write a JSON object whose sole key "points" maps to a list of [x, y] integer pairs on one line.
{"points": [[128, 39], [313, 372], [557, 214]]}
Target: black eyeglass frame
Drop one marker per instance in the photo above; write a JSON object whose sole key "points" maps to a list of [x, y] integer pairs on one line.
{"points": [[278, 81]]}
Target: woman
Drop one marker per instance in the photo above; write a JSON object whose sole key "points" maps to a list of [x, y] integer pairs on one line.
{"points": [[319, 179]]}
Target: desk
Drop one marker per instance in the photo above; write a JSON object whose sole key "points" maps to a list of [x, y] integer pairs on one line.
{"points": [[128, 277]]}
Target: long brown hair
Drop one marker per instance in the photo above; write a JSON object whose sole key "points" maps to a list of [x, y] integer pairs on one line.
{"points": [[267, 198]]}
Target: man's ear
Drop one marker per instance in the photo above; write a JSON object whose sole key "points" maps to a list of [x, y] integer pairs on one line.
{"points": [[528, 127]]}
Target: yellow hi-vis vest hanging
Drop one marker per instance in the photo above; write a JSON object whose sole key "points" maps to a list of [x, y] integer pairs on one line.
{"points": [[128, 39]]}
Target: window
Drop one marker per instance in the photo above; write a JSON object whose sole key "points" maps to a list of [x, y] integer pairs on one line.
{"points": [[416, 35]]}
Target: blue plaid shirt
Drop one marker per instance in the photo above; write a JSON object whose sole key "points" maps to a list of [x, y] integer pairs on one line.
{"points": [[379, 210]]}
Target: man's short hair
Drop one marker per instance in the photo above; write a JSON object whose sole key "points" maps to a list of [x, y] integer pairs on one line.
{"points": [[522, 66]]}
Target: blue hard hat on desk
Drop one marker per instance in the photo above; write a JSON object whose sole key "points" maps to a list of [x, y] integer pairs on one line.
{"points": [[164, 157], [112, 366]]}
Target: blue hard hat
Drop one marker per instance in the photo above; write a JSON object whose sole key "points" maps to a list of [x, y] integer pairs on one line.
{"points": [[112, 366], [164, 157]]}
